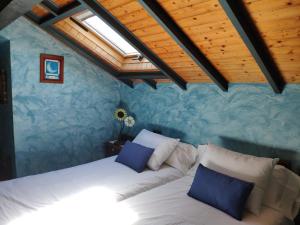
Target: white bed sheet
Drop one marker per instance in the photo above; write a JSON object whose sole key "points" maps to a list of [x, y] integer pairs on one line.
{"points": [[170, 205], [29, 194]]}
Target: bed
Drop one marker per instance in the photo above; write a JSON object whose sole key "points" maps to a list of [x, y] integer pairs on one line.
{"points": [[109, 193], [29, 194], [169, 204]]}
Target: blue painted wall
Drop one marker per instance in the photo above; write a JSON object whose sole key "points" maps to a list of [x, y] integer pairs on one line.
{"points": [[57, 126], [248, 118]]}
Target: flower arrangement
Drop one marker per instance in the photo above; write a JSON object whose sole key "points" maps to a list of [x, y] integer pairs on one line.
{"points": [[120, 114], [124, 119]]}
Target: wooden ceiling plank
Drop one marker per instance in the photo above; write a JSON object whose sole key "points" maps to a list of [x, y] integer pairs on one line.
{"points": [[111, 5], [100, 11], [62, 3], [187, 13], [239, 17], [163, 18], [40, 11], [206, 18]]}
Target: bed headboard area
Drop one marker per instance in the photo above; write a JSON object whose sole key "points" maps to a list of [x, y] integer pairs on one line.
{"points": [[288, 158]]}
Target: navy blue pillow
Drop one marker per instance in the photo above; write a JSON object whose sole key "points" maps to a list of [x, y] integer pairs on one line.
{"points": [[223, 192], [134, 156]]}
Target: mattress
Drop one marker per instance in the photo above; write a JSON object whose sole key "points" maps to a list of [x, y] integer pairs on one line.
{"points": [[169, 204], [105, 178]]}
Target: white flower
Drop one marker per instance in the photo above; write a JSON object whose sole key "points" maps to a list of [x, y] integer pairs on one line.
{"points": [[129, 121]]}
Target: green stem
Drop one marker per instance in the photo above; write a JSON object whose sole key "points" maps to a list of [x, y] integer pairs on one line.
{"points": [[121, 129]]}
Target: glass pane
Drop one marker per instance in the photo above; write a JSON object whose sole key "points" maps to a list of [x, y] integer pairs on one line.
{"points": [[99, 26]]}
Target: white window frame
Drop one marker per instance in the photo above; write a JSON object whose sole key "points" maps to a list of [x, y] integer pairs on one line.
{"points": [[87, 14]]}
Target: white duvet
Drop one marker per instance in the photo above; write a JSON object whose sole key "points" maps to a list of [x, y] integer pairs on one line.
{"points": [[170, 205], [164, 205], [72, 195]]}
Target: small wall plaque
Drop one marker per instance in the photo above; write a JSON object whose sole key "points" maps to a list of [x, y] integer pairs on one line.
{"points": [[3, 87], [51, 69]]}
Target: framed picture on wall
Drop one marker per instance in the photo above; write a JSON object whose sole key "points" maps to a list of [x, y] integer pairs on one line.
{"points": [[51, 69]]}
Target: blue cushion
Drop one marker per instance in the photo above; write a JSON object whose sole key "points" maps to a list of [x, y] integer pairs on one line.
{"points": [[135, 156], [223, 192]]}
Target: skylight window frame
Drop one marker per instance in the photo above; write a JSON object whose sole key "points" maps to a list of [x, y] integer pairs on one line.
{"points": [[88, 14]]}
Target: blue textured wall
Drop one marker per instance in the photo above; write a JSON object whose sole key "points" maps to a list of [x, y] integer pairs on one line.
{"points": [[56, 125], [247, 118]]}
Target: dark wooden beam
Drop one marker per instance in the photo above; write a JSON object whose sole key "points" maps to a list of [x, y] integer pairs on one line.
{"points": [[65, 12], [142, 75], [33, 17], [183, 40], [100, 11], [79, 24], [151, 83], [69, 7], [129, 83], [50, 6], [83, 51], [11, 10], [245, 26]]}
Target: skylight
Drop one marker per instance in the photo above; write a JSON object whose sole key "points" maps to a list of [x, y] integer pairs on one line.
{"points": [[109, 35]]}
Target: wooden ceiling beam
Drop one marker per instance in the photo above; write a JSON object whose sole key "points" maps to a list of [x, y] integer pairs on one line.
{"points": [[151, 83], [144, 75], [11, 10], [50, 6], [183, 40], [63, 13], [244, 25], [100, 11]]}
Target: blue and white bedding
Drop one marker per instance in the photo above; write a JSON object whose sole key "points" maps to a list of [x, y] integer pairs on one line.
{"points": [[27, 195], [164, 205], [170, 205], [109, 193]]}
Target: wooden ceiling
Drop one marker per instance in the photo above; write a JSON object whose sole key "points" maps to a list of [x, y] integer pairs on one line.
{"points": [[208, 25]]}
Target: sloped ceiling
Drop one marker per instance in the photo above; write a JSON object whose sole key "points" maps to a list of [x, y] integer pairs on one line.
{"points": [[208, 25]]}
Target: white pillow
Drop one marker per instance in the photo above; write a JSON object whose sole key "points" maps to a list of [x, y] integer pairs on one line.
{"points": [[183, 157], [253, 169], [161, 153], [200, 152], [283, 193], [150, 139], [163, 147]]}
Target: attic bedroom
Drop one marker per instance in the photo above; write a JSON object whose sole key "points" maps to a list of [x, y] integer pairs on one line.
{"points": [[145, 112]]}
